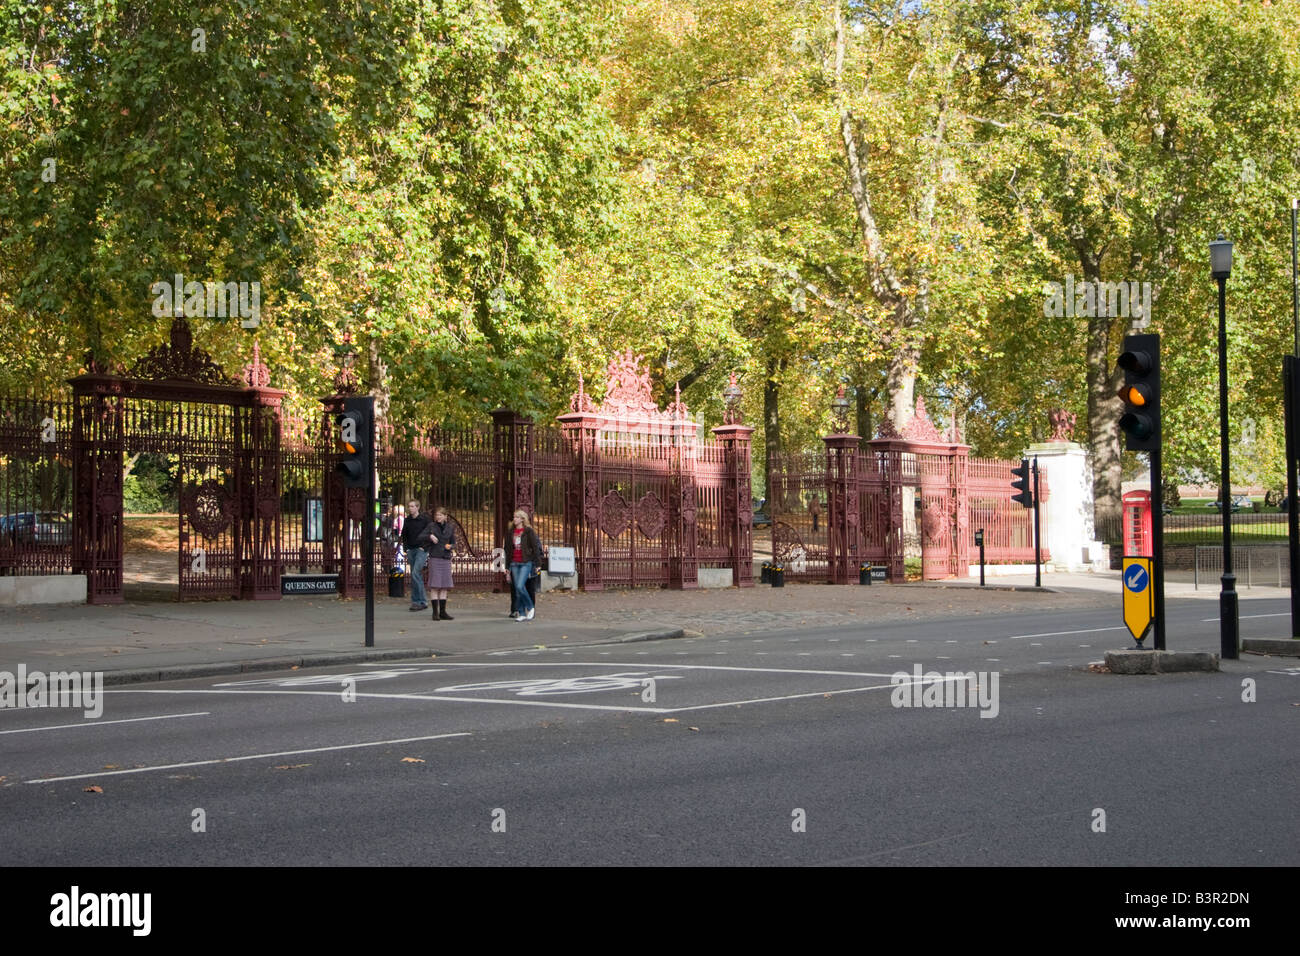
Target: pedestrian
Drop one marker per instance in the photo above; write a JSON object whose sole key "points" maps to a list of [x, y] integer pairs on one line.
{"points": [[415, 538], [442, 544], [532, 591], [398, 519], [524, 552], [815, 509]]}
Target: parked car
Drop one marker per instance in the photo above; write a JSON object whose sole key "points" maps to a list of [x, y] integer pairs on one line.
{"points": [[37, 527], [52, 528], [20, 527]]}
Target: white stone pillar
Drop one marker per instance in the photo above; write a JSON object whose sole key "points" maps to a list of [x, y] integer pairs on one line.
{"points": [[1068, 531]]}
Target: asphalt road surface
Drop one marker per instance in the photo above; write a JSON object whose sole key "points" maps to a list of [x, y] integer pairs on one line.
{"points": [[782, 747]]}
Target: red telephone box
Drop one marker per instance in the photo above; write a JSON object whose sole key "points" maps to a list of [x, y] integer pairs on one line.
{"points": [[1137, 523]]}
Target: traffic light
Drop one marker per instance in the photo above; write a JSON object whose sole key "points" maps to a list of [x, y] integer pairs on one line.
{"points": [[356, 429], [1020, 482], [1140, 422]]}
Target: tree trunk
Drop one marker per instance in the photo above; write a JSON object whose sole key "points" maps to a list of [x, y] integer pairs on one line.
{"points": [[771, 419], [1104, 406], [900, 384], [863, 398]]}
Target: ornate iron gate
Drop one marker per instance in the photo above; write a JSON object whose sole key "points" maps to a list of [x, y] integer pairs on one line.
{"points": [[177, 401]]}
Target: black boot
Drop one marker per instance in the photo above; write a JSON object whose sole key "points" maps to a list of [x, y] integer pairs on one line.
{"points": [[442, 611]]}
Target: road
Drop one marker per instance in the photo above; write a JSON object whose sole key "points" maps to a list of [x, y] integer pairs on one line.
{"points": [[780, 747]]}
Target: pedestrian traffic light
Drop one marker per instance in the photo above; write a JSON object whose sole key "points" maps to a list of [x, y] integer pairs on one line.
{"points": [[1020, 482], [1140, 421], [356, 428]]}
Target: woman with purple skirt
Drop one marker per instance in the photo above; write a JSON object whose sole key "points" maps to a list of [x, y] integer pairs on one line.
{"points": [[442, 544]]}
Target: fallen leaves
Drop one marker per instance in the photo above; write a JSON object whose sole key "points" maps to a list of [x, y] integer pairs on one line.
{"points": [[412, 760], [292, 766], [670, 720], [93, 788]]}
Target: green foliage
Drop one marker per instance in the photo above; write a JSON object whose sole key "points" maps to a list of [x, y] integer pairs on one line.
{"points": [[494, 198]]}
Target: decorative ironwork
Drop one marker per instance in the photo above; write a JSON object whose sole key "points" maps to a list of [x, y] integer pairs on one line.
{"points": [[627, 389], [650, 515], [179, 360], [920, 428], [581, 401], [677, 408], [731, 395], [256, 374], [208, 507], [615, 514], [1062, 424]]}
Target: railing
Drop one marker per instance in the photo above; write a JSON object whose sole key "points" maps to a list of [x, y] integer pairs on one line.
{"points": [[1008, 525], [1265, 565], [36, 493]]}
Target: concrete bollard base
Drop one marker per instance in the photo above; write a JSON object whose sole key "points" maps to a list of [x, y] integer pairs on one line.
{"points": [[1279, 646], [1160, 662]]}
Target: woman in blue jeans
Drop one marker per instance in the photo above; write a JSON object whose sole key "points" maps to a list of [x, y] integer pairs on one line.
{"points": [[524, 552]]}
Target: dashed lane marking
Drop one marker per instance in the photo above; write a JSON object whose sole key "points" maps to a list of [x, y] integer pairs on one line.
{"points": [[102, 723], [204, 763]]}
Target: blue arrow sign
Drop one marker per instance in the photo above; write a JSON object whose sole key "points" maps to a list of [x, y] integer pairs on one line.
{"points": [[1136, 579]]}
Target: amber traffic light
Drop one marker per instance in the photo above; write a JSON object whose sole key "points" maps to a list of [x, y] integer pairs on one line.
{"points": [[1140, 420]]}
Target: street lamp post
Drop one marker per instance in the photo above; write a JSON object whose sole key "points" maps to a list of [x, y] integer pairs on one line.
{"points": [[840, 410], [1220, 269]]}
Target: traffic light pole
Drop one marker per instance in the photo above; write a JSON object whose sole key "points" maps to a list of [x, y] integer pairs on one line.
{"points": [[1158, 546], [368, 547], [1229, 636], [1038, 533], [1290, 371]]}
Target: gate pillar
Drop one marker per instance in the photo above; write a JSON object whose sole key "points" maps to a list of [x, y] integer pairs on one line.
{"points": [[580, 428], [842, 508], [259, 486], [98, 441], [737, 503]]}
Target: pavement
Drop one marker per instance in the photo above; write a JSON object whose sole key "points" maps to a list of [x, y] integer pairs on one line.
{"points": [[169, 640]]}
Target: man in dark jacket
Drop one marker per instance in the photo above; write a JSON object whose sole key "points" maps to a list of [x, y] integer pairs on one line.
{"points": [[415, 538]]}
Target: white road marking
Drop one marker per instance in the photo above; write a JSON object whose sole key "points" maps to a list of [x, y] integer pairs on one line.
{"points": [[101, 723], [685, 667], [768, 700], [1247, 617], [462, 700], [284, 753], [1086, 630]]}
